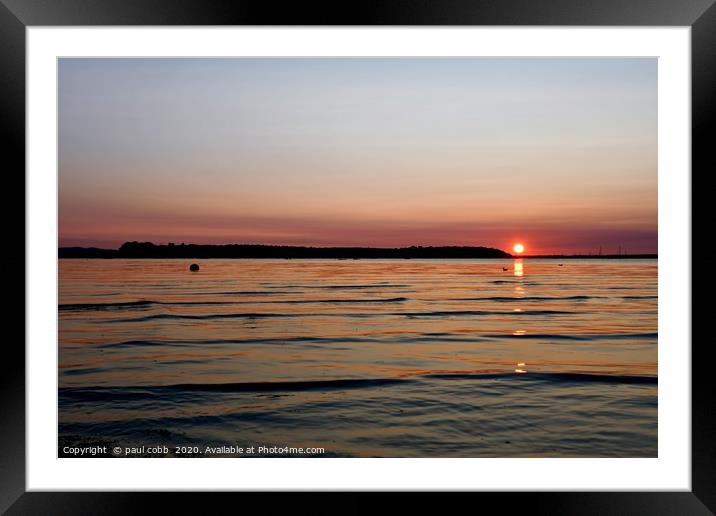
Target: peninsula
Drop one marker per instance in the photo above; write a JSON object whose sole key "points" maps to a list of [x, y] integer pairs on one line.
{"points": [[150, 250]]}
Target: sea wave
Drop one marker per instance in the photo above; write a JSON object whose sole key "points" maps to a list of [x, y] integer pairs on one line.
{"points": [[102, 391], [573, 336], [271, 315], [150, 303]]}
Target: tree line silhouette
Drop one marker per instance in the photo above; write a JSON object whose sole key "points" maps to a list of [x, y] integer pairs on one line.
{"points": [[150, 250]]}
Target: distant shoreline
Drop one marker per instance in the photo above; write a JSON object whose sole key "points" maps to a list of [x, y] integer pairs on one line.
{"points": [[591, 256], [255, 251]]}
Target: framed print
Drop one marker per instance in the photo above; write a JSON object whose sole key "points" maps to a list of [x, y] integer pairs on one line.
{"points": [[417, 250]]}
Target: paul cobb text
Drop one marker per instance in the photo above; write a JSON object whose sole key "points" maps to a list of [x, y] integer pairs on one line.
{"points": [[189, 451]]}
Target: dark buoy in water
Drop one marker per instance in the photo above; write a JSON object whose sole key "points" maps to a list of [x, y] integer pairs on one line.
{"points": [[193, 267]]}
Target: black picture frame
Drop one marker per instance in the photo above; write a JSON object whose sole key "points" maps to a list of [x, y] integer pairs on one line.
{"points": [[16, 15]]}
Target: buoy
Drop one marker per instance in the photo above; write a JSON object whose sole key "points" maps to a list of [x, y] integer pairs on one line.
{"points": [[193, 267]]}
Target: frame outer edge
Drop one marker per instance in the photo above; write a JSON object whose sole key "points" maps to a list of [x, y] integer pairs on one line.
{"points": [[368, 12], [703, 391], [12, 379], [12, 364]]}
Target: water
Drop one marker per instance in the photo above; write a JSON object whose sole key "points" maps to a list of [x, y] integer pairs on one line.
{"points": [[363, 358]]}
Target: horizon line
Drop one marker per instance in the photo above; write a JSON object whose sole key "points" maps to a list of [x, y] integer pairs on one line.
{"points": [[357, 247]]}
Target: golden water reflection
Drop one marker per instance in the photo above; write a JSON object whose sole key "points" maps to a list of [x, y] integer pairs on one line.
{"points": [[125, 322]]}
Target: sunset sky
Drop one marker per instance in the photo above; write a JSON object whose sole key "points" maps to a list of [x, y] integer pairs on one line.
{"points": [[560, 154]]}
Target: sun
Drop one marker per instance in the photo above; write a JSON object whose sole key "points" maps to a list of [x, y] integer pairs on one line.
{"points": [[518, 248]]}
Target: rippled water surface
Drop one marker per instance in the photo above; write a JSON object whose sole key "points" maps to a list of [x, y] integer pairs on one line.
{"points": [[365, 358]]}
